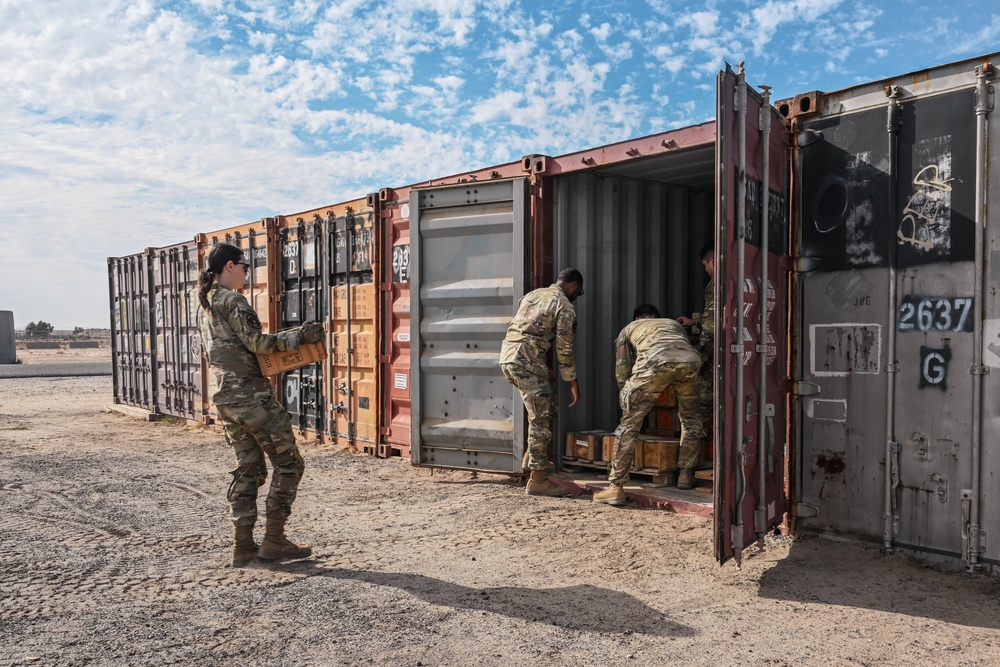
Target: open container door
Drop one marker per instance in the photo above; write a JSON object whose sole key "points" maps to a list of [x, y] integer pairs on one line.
{"points": [[751, 314], [468, 270]]}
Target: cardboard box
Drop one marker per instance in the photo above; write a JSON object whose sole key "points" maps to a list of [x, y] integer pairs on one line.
{"points": [[584, 445], [659, 453], [273, 363]]}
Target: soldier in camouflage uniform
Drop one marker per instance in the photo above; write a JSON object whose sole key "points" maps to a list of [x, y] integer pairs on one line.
{"points": [[706, 340], [542, 315], [255, 424], [650, 354]]}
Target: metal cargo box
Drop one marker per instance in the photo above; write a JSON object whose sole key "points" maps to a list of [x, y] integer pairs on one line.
{"points": [[132, 353], [258, 240], [896, 311], [180, 376]]}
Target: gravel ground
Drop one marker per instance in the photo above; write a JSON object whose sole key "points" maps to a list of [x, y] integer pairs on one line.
{"points": [[114, 547]]}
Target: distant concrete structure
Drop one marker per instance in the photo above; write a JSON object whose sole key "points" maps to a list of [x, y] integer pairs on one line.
{"points": [[8, 353]]}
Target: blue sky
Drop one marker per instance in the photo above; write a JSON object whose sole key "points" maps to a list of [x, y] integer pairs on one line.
{"points": [[125, 125]]}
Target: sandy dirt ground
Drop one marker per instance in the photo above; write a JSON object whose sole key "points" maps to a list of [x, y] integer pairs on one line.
{"points": [[115, 539], [66, 356]]}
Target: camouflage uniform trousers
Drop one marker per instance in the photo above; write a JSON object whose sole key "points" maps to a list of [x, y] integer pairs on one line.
{"points": [[537, 394], [637, 398], [253, 431]]}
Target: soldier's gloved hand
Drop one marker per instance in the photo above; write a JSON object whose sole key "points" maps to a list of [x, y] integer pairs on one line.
{"points": [[311, 332]]}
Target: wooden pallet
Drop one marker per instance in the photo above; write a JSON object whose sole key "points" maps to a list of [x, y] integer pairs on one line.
{"points": [[664, 477]]}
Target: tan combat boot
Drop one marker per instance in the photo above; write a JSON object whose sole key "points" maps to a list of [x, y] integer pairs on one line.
{"points": [[244, 548], [613, 495], [276, 545], [539, 485], [685, 479]]}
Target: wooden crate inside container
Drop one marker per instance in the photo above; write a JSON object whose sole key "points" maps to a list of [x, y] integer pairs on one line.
{"points": [[608, 447], [659, 453], [584, 445], [664, 421], [668, 398]]}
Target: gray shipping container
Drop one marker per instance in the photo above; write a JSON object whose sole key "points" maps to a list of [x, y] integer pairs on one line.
{"points": [[896, 319], [8, 351]]}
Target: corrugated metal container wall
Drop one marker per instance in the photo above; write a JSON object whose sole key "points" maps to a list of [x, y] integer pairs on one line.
{"points": [[394, 430], [352, 239], [395, 276], [469, 271], [134, 366], [304, 297], [258, 240], [891, 308], [635, 239], [179, 376]]}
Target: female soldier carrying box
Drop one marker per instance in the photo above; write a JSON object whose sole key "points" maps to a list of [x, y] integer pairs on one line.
{"points": [[255, 424]]}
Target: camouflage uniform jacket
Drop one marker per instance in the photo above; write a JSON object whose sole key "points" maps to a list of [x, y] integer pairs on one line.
{"points": [[231, 338], [542, 315], [649, 343], [707, 339]]}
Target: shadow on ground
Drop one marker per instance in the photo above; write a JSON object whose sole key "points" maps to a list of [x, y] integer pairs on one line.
{"points": [[584, 608], [819, 571]]}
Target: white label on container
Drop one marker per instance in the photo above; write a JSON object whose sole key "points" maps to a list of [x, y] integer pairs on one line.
{"points": [[582, 443], [404, 337], [991, 341], [843, 348], [399, 382], [404, 211]]}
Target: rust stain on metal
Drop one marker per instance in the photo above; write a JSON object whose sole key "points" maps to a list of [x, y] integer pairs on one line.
{"points": [[833, 465]]}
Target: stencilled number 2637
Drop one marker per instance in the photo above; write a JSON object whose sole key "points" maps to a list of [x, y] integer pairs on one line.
{"points": [[935, 314]]}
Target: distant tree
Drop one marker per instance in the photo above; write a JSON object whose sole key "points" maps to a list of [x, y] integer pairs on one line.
{"points": [[78, 330], [39, 328]]}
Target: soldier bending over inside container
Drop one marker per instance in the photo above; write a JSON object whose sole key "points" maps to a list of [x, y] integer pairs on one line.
{"points": [[650, 354], [255, 424], [542, 315]]}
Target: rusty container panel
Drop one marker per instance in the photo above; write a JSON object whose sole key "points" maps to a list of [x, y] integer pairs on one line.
{"points": [[304, 297], [394, 305], [258, 240], [886, 225], [180, 375], [133, 353], [353, 324]]}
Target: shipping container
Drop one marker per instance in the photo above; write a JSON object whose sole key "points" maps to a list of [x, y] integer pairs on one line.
{"points": [[259, 242], [303, 297], [327, 275], [180, 377], [132, 352], [471, 303], [895, 317]]}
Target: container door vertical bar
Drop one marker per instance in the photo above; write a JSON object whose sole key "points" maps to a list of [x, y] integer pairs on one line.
{"points": [[751, 298], [468, 273]]}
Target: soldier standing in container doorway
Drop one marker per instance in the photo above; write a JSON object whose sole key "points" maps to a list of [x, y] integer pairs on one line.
{"points": [[650, 354], [255, 424], [706, 342], [542, 315]]}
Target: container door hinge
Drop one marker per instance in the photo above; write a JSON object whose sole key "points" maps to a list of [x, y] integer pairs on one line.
{"points": [[805, 389], [799, 264], [805, 510], [979, 370], [986, 104]]}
